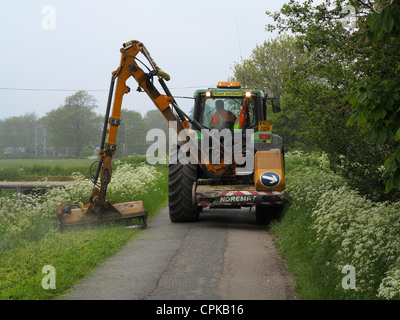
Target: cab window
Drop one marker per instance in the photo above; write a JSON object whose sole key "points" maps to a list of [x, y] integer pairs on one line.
{"points": [[223, 112]]}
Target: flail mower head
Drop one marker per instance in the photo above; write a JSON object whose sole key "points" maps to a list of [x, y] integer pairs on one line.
{"points": [[79, 214]]}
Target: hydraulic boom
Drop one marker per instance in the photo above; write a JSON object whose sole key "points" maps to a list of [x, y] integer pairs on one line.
{"points": [[98, 207]]}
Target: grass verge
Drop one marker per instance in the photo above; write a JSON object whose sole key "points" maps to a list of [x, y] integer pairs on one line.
{"points": [[74, 252]]}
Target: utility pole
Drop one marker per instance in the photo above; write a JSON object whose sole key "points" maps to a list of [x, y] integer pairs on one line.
{"points": [[37, 137], [45, 141], [36, 146]]}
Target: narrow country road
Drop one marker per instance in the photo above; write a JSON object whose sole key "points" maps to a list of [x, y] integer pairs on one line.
{"points": [[223, 256]]}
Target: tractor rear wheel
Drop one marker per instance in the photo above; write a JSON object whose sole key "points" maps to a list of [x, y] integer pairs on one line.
{"points": [[180, 183], [266, 214]]}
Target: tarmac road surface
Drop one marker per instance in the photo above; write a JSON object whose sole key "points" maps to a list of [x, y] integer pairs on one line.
{"points": [[223, 256]]}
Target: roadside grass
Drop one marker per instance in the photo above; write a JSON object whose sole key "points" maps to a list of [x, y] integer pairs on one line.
{"points": [[295, 237], [73, 254], [326, 226], [27, 246], [42, 169]]}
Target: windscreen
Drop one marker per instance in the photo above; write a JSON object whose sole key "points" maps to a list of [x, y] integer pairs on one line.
{"points": [[225, 112]]}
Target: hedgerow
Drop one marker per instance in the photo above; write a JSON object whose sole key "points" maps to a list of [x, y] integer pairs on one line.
{"points": [[349, 229]]}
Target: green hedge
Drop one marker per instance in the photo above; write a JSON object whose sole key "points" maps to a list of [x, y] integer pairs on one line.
{"points": [[328, 226]]}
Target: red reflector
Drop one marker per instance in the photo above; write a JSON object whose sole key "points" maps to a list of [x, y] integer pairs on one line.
{"points": [[265, 136]]}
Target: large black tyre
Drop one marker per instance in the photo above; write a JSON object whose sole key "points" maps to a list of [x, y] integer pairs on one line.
{"points": [[180, 183], [266, 214]]}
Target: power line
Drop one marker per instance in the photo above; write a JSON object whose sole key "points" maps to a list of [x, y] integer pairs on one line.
{"points": [[38, 89], [208, 86], [90, 90]]}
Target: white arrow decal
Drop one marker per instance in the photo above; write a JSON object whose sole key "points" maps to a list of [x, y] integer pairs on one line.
{"points": [[272, 179]]}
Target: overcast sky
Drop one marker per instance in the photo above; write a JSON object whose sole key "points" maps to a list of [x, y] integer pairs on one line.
{"points": [[74, 45]]}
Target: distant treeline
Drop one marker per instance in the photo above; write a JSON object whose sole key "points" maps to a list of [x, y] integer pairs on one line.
{"points": [[74, 130]]}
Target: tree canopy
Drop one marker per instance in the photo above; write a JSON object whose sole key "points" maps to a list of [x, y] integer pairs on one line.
{"points": [[348, 84], [73, 126]]}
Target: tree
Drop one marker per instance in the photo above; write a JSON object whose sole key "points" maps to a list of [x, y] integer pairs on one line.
{"points": [[339, 58], [155, 119], [376, 98], [75, 125], [267, 65], [131, 136], [267, 70], [18, 133]]}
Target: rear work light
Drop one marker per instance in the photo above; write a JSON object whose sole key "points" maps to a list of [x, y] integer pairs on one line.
{"points": [[265, 136]]}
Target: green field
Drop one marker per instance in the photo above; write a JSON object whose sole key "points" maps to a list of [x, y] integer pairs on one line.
{"points": [[9, 163], [42, 169]]}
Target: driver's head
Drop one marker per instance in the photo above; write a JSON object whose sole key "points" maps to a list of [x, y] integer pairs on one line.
{"points": [[219, 104]]}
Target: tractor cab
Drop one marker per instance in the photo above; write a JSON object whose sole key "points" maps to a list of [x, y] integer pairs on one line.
{"points": [[229, 106]]}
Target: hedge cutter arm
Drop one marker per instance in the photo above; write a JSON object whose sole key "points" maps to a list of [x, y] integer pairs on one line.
{"points": [[98, 208]]}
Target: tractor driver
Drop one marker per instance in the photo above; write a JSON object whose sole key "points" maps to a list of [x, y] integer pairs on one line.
{"points": [[222, 118]]}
